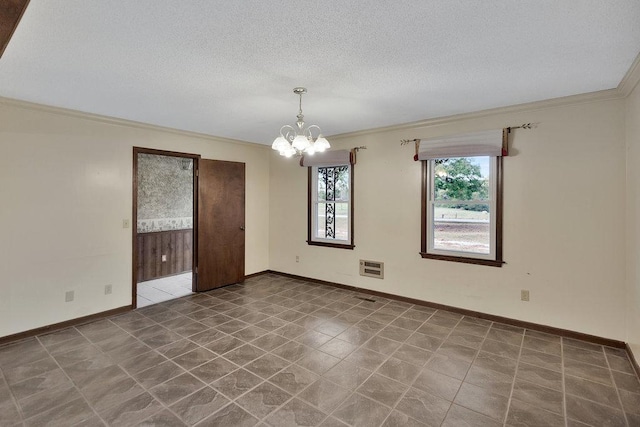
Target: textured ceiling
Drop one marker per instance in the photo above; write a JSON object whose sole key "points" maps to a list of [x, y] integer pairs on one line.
{"points": [[227, 68]]}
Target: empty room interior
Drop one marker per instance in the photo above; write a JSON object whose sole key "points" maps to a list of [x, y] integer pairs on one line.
{"points": [[280, 213]]}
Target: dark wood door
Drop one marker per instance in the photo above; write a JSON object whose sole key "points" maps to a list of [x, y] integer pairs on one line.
{"points": [[221, 188]]}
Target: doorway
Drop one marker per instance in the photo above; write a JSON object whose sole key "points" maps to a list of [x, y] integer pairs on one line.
{"points": [[164, 225], [207, 248]]}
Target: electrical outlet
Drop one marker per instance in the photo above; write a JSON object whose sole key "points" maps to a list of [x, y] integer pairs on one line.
{"points": [[108, 289], [164, 258], [297, 258], [524, 295], [126, 223], [68, 296]]}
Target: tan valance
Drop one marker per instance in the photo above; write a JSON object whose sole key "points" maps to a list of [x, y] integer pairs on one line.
{"points": [[484, 143]]}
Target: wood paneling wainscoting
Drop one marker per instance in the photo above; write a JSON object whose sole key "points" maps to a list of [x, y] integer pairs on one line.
{"points": [[175, 244]]}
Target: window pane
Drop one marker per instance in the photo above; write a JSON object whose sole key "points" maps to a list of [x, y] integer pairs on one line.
{"points": [[463, 178], [463, 228], [332, 221], [321, 221], [342, 221], [333, 183]]}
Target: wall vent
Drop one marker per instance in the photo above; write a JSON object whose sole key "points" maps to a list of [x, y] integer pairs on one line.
{"points": [[372, 269]]}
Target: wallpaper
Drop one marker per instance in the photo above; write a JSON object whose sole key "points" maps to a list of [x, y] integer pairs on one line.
{"points": [[165, 193]]}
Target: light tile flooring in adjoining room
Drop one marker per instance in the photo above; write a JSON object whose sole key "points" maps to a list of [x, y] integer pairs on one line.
{"points": [[276, 351], [164, 289]]}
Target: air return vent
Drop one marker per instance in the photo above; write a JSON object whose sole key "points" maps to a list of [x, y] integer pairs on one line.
{"points": [[372, 269]]}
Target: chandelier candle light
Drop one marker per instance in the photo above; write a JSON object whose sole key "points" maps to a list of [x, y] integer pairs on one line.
{"points": [[301, 140]]}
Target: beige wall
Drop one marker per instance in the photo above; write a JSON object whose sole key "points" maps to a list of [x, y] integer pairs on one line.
{"points": [[65, 187], [632, 123], [564, 221]]}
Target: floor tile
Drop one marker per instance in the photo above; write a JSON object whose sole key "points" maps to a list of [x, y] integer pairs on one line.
{"points": [[263, 399], [541, 376], [586, 356], [360, 411], [626, 382], [489, 379], [213, 370], [269, 342], [199, 405], [586, 371], [366, 358], [231, 415], [399, 419], [541, 397], [293, 378], [47, 400], [194, 358], [523, 414], [236, 383], [318, 362], [459, 416], [593, 413], [244, 354], [162, 419], [630, 402], [267, 365], [296, 413], [312, 355], [450, 366], [437, 384], [132, 411], [590, 390], [37, 384], [347, 375], [324, 394], [542, 345], [68, 413], [105, 395], [495, 363], [501, 348], [176, 388], [292, 351], [382, 389], [424, 406], [399, 370], [158, 374], [414, 355], [483, 401]]}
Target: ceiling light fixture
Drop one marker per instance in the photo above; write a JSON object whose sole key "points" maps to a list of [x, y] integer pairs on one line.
{"points": [[301, 140]]}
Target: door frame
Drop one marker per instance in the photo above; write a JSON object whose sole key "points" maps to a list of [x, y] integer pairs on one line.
{"points": [[134, 221]]}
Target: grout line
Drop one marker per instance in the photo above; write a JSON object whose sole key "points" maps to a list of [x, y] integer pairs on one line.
{"points": [[615, 386], [564, 388], [515, 375]]}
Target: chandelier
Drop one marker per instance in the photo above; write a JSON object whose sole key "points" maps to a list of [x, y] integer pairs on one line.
{"points": [[300, 141]]}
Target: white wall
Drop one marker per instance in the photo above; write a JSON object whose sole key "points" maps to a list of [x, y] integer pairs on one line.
{"points": [[564, 220], [632, 123], [65, 187]]}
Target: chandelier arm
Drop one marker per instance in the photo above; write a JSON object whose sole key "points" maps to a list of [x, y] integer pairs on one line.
{"points": [[310, 134], [290, 134]]}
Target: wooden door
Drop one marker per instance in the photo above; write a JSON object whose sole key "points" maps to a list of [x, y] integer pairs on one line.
{"points": [[221, 188]]}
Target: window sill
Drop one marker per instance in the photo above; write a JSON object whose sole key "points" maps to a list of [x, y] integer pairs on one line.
{"points": [[331, 245], [477, 261]]}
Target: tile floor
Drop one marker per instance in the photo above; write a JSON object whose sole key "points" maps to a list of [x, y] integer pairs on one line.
{"points": [[282, 352], [164, 289]]}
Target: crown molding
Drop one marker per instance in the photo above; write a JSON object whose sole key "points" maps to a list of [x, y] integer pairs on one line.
{"points": [[631, 78], [121, 122], [583, 98]]}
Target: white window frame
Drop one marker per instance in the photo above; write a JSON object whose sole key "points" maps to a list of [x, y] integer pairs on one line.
{"points": [[493, 206], [313, 207]]}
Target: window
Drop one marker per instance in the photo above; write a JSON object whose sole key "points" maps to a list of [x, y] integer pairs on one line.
{"points": [[330, 206], [462, 196]]}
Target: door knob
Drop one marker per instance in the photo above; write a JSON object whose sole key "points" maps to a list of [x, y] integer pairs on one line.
{"points": [[242, 227]]}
